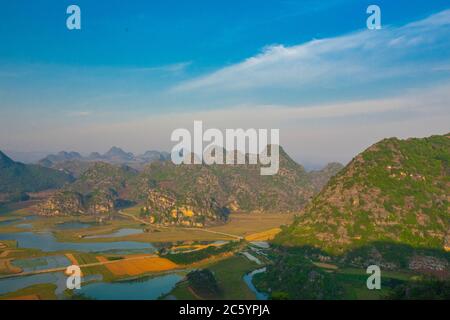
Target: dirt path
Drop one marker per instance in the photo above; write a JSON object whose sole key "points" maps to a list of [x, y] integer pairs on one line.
{"points": [[134, 218], [184, 228]]}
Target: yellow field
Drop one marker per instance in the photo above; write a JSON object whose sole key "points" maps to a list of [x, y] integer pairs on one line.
{"points": [[245, 224], [239, 224], [195, 247], [264, 235], [210, 260], [133, 267]]}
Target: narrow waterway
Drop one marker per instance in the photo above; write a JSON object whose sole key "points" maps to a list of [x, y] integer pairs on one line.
{"points": [[248, 278]]}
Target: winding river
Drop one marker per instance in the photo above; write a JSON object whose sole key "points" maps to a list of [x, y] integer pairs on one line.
{"points": [[248, 278]]}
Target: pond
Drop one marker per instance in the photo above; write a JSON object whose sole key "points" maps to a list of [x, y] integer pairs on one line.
{"points": [[251, 257], [140, 289], [45, 241], [24, 225], [16, 283], [9, 222], [41, 263], [8, 285]]}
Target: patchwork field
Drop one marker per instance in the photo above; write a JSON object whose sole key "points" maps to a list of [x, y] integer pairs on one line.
{"points": [[263, 235], [133, 266], [239, 224], [191, 243], [35, 292]]}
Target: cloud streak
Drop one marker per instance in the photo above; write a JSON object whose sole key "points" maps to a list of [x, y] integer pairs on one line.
{"points": [[360, 57]]}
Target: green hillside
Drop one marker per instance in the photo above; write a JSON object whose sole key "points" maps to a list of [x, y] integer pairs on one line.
{"points": [[395, 191]]}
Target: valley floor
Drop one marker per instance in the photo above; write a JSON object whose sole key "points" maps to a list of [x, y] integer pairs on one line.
{"points": [[127, 258], [200, 247]]}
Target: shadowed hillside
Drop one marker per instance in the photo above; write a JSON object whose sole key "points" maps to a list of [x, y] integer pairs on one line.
{"points": [[16, 177]]}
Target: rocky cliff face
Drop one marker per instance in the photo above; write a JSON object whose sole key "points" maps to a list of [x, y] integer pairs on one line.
{"points": [[166, 208], [63, 203], [98, 190], [74, 203], [197, 195]]}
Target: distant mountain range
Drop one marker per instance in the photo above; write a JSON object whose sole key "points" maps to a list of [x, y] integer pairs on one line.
{"points": [[396, 191], [192, 194], [16, 177], [76, 164]]}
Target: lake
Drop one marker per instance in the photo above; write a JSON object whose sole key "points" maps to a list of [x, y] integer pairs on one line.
{"points": [[41, 263], [140, 289], [9, 222], [13, 284], [58, 278], [45, 241]]}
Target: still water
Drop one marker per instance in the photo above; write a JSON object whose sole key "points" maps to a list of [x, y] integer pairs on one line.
{"points": [[141, 289], [45, 241]]}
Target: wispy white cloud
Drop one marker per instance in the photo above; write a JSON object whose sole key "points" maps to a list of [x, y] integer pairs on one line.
{"points": [[350, 59]]}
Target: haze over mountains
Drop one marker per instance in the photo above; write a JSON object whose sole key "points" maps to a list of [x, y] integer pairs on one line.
{"points": [[114, 155]]}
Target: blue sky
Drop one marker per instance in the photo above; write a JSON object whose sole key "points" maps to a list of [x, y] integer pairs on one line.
{"points": [[139, 69]]}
